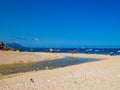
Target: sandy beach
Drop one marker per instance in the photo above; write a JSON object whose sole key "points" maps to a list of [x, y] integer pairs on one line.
{"points": [[99, 75]]}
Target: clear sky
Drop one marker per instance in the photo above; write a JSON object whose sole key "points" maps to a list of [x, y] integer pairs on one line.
{"points": [[61, 23]]}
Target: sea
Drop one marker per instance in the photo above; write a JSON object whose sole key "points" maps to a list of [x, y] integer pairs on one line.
{"points": [[105, 51]]}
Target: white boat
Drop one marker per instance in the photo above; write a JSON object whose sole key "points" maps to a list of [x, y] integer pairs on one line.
{"points": [[96, 50], [118, 51]]}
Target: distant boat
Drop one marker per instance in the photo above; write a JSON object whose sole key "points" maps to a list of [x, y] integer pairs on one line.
{"points": [[89, 49], [31, 49], [58, 50], [118, 51], [96, 50]]}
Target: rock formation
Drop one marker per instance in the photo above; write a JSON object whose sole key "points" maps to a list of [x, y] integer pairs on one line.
{"points": [[3, 47]]}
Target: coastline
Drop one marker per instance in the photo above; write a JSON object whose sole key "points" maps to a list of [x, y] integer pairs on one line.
{"points": [[101, 75], [11, 57]]}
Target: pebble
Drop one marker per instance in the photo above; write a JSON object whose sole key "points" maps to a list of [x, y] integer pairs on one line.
{"points": [[37, 68], [32, 80]]}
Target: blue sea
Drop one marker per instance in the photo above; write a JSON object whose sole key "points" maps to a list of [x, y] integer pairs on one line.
{"points": [[105, 51]]}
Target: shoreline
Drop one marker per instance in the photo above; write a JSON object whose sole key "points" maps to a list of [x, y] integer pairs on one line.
{"points": [[12, 57], [101, 75]]}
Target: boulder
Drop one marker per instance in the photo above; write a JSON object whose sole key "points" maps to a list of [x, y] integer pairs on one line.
{"points": [[1, 43], [3, 47]]}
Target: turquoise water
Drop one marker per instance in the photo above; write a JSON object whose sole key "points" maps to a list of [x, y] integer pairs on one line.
{"points": [[49, 65]]}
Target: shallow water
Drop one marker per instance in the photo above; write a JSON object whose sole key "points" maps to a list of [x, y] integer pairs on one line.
{"points": [[50, 64]]}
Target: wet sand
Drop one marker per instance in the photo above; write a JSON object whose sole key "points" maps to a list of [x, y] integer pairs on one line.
{"points": [[100, 75]]}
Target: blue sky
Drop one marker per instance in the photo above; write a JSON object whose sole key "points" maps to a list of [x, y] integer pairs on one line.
{"points": [[61, 23]]}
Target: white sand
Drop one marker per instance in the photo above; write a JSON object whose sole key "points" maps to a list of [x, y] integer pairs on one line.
{"points": [[10, 57], [100, 75]]}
